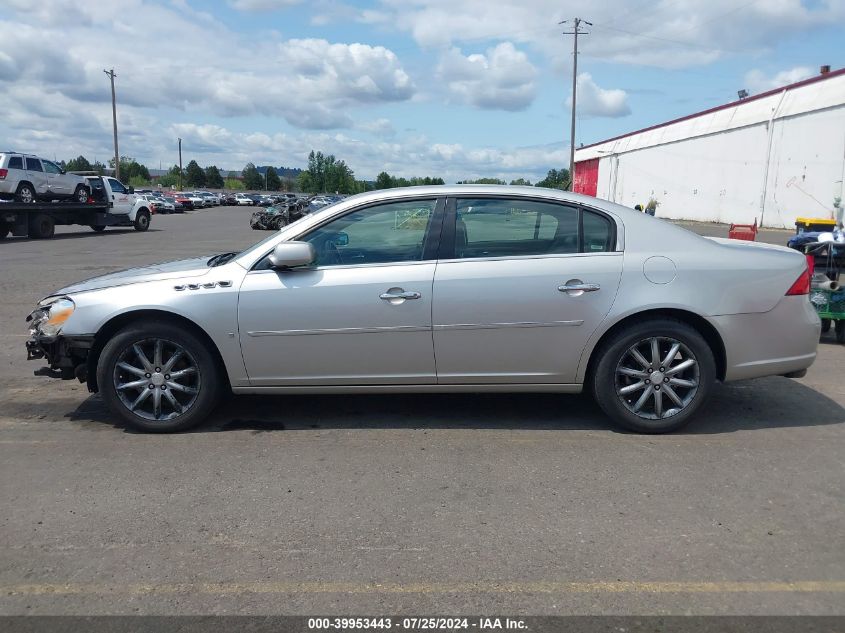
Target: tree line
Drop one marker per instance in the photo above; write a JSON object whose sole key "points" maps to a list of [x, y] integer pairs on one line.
{"points": [[324, 174]]}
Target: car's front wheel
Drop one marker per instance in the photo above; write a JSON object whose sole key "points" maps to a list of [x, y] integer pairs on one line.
{"points": [[158, 377], [142, 221], [654, 376]]}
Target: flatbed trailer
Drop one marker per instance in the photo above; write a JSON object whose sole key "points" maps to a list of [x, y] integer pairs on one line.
{"points": [[110, 204]]}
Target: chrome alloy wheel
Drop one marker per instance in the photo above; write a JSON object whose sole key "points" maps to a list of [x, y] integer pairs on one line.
{"points": [[157, 379], [657, 378]]}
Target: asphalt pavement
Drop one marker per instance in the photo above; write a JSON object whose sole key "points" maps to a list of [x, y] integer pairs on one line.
{"points": [[418, 504]]}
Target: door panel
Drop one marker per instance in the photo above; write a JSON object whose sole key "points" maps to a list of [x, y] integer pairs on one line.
{"points": [[56, 182], [122, 201], [505, 321], [35, 174], [331, 326], [501, 313]]}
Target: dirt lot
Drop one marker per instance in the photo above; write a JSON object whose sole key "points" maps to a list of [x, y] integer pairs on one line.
{"points": [[411, 504]]}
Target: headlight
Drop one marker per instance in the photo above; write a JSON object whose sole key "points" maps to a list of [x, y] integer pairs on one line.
{"points": [[51, 315]]}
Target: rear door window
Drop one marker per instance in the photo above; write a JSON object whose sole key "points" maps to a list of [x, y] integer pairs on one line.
{"points": [[598, 233], [15, 162], [514, 227], [504, 227], [33, 164]]}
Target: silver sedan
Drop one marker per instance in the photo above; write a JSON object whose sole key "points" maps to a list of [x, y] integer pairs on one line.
{"points": [[441, 289]]}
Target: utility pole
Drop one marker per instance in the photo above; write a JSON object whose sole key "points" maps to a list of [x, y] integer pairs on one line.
{"points": [[111, 75], [575, 32], [180, 164]]}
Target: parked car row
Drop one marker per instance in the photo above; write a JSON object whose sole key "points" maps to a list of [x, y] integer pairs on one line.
{"points": [[257, 199], [201, 199]]}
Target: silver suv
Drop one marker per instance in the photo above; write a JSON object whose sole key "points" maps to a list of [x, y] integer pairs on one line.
{"points": [[27, 178]]}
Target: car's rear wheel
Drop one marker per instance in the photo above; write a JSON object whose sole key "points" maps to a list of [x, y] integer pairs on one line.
{"points": [[41, 226], [654, 376], [25, 193], [98, 228], [5, 229], [81, 194], [158, 377]]}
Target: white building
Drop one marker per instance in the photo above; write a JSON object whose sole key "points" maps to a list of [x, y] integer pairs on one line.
{"points": [[772, 157]]}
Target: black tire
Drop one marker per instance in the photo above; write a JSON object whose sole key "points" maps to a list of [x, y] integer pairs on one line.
{"points": [[611, 354], [142, 221], [98, 228], [5, 229], [25, 193], [839, 328], [81, 194], [825, 326], [209, 378], [41, 226]]}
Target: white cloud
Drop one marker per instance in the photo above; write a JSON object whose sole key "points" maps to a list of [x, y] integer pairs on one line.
{"points": [[379, 127], [359, 72], [660, 34], [756, 81], [501, 79], [594, 101], [262, 5], [311, 83]]}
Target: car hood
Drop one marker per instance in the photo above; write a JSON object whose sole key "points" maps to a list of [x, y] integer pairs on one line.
{"points": [[194, 267]]}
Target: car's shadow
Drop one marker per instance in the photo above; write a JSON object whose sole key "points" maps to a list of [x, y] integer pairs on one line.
{"points": [[751, 405], [78, 234]]}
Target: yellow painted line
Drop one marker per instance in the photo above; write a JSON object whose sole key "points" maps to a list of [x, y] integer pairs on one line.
{"points": [[556, 587]]}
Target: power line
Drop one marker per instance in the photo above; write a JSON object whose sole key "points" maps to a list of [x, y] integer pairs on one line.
{"points": [[576, 31]]}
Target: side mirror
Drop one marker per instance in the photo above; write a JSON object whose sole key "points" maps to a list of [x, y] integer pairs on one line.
{"points": [[131, 189], [292, 255]]}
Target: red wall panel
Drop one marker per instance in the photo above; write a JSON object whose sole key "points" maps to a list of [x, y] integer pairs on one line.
{"points": [[586, 177]]}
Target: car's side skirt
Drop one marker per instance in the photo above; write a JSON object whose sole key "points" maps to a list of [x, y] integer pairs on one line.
{"points": [[497, 388]]}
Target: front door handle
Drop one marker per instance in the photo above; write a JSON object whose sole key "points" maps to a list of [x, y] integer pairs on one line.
{"points": [[398, 295]]}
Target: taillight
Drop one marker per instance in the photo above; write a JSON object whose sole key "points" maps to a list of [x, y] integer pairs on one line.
{"points": [[3, 174], [801, 285]]}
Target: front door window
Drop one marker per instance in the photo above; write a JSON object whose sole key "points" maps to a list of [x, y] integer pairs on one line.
{"points": [[385, 233]]}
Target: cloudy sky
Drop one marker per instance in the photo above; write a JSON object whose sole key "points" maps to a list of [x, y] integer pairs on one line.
{"points": [[456, 88]]}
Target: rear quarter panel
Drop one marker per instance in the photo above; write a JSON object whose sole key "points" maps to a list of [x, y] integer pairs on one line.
{"points": [[695, 274]]}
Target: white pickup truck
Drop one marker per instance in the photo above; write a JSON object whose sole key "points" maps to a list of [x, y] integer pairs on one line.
{"points": [[111, 203]]}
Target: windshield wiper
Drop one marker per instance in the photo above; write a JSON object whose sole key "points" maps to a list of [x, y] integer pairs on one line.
{"points": [[222, 258]]}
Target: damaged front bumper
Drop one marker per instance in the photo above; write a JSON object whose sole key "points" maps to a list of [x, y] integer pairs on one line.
{"points": [[66, 356]]}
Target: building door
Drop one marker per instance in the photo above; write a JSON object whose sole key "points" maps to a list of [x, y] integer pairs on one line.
{"points": [[586, 177]]}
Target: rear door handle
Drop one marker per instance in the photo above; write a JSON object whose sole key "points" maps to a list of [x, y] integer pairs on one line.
{"points": [[578, 287], [401, 296]]}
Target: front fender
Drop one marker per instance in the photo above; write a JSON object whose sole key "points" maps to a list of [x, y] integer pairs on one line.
{"points": [[213, 309]]}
